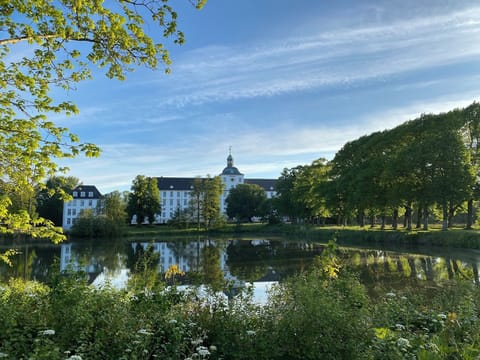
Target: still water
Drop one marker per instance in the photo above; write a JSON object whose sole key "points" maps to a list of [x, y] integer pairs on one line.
{"points": [[261, 261]]}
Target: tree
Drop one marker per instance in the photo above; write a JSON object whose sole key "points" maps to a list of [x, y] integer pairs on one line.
{"points": [[50, 198], [246, 201], [205, 200], [47, 44], [144, 200]]}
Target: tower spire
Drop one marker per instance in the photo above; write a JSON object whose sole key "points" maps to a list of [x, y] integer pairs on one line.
{"points": [[229, 158]]}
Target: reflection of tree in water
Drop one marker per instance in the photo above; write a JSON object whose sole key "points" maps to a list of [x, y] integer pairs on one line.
{"points": [[212, 267], [382, 269], [256, 260], [32, 262]]}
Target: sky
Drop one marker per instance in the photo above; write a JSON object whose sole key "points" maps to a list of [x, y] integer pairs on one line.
{"points": [[281, 82]]}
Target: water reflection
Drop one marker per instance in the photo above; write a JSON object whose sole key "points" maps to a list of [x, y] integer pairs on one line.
{"points": [[217, 262]]}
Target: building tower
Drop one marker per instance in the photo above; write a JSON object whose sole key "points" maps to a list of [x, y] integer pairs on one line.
{"points": [[231, 177]]}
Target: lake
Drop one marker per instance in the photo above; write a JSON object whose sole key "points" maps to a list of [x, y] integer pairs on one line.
{"points": [[261, 261]]}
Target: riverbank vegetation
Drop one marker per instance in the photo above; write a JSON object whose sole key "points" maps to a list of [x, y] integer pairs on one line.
{"points": [[325, 312]]}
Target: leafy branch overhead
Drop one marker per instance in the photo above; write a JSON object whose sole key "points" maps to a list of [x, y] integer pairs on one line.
{"points": [[54, 44]]}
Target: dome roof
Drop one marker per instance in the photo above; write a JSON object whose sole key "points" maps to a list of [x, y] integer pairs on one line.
{"points": [[231, 170]]}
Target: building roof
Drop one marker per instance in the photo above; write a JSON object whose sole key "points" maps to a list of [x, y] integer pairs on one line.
{"points": [[85, 190], [266, 184], [175, 183], [230, 169]]}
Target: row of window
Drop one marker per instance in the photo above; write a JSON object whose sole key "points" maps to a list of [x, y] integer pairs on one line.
{"points": [[82, 194], [81, 203]]}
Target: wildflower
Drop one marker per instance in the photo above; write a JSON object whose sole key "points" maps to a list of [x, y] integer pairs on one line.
{"points": [[173, 322], [442, 316], [172, 271], [452, 316], [213, 348], [403, 343], [47, 332], [403, 298], [251, 332], [390, 295], [144, 332], [75, 357], [3, 355], [196, 342], [400, 327], [202, 351]]}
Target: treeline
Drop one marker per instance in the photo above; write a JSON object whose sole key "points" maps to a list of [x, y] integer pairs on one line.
{"points": [[427, 167]]}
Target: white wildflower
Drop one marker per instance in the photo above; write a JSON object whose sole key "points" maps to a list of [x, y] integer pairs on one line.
{"points": [[251, 332], [202, 351], [400, 327], [196, 342], [144, 332], [3, 355], [390, 295], [75, 357], [47, 332], [442, 316], [173, 322], [403, 343], [213, 348]]}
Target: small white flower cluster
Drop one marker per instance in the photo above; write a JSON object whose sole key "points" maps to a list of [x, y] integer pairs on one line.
{"points": [[48, 332], [399, 327], [202, 351], [75, 357], [442, 316], [144, 332], [3, 355], [390, 295], [251, 332], [403, 343]]}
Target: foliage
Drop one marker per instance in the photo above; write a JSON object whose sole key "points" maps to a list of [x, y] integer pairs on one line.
{"points": [[246, 201], [205, 202], [50, 198], [144, 200], [312, 315], [47, 45], [90, 224]]}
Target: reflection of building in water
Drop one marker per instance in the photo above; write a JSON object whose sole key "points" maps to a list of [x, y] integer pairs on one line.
{"points": [[71, 261]]}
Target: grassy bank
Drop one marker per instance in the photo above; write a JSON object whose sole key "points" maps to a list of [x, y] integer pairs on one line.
{"points": [[456, 237]]}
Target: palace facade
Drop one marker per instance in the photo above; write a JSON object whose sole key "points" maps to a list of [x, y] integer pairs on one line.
{"points": [[174, 194]]}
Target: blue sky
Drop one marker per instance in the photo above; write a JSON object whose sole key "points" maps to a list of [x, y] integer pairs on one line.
{"points": [[283, 82]]}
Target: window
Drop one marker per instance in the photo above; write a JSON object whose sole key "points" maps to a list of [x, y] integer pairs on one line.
{"points": [[74, 203], [90, 203], [69, 221], [82, 202], [82, 194], [90, 194], [178, 193], [69, 212], [75, 194], [171, 202], [164, 202], [171, 193], [74, 212], [164, 194]]}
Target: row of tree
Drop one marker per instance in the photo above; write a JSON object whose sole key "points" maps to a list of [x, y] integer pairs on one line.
{"points": [[427, 166]]}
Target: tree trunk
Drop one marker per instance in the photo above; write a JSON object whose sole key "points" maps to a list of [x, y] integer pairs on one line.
{"points": [[408, 217], [361, 218], [384, 220], [395, 219], [451, 214], [425, 217], [469, 214], [419, 217], [372, 221], [445, 217]]}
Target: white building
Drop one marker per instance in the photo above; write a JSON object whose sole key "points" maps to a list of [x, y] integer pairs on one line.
{"points": [[84, 197], [175, 191]]}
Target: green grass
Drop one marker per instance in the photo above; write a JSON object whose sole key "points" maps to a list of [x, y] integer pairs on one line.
{"points": [[456, 237]]}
